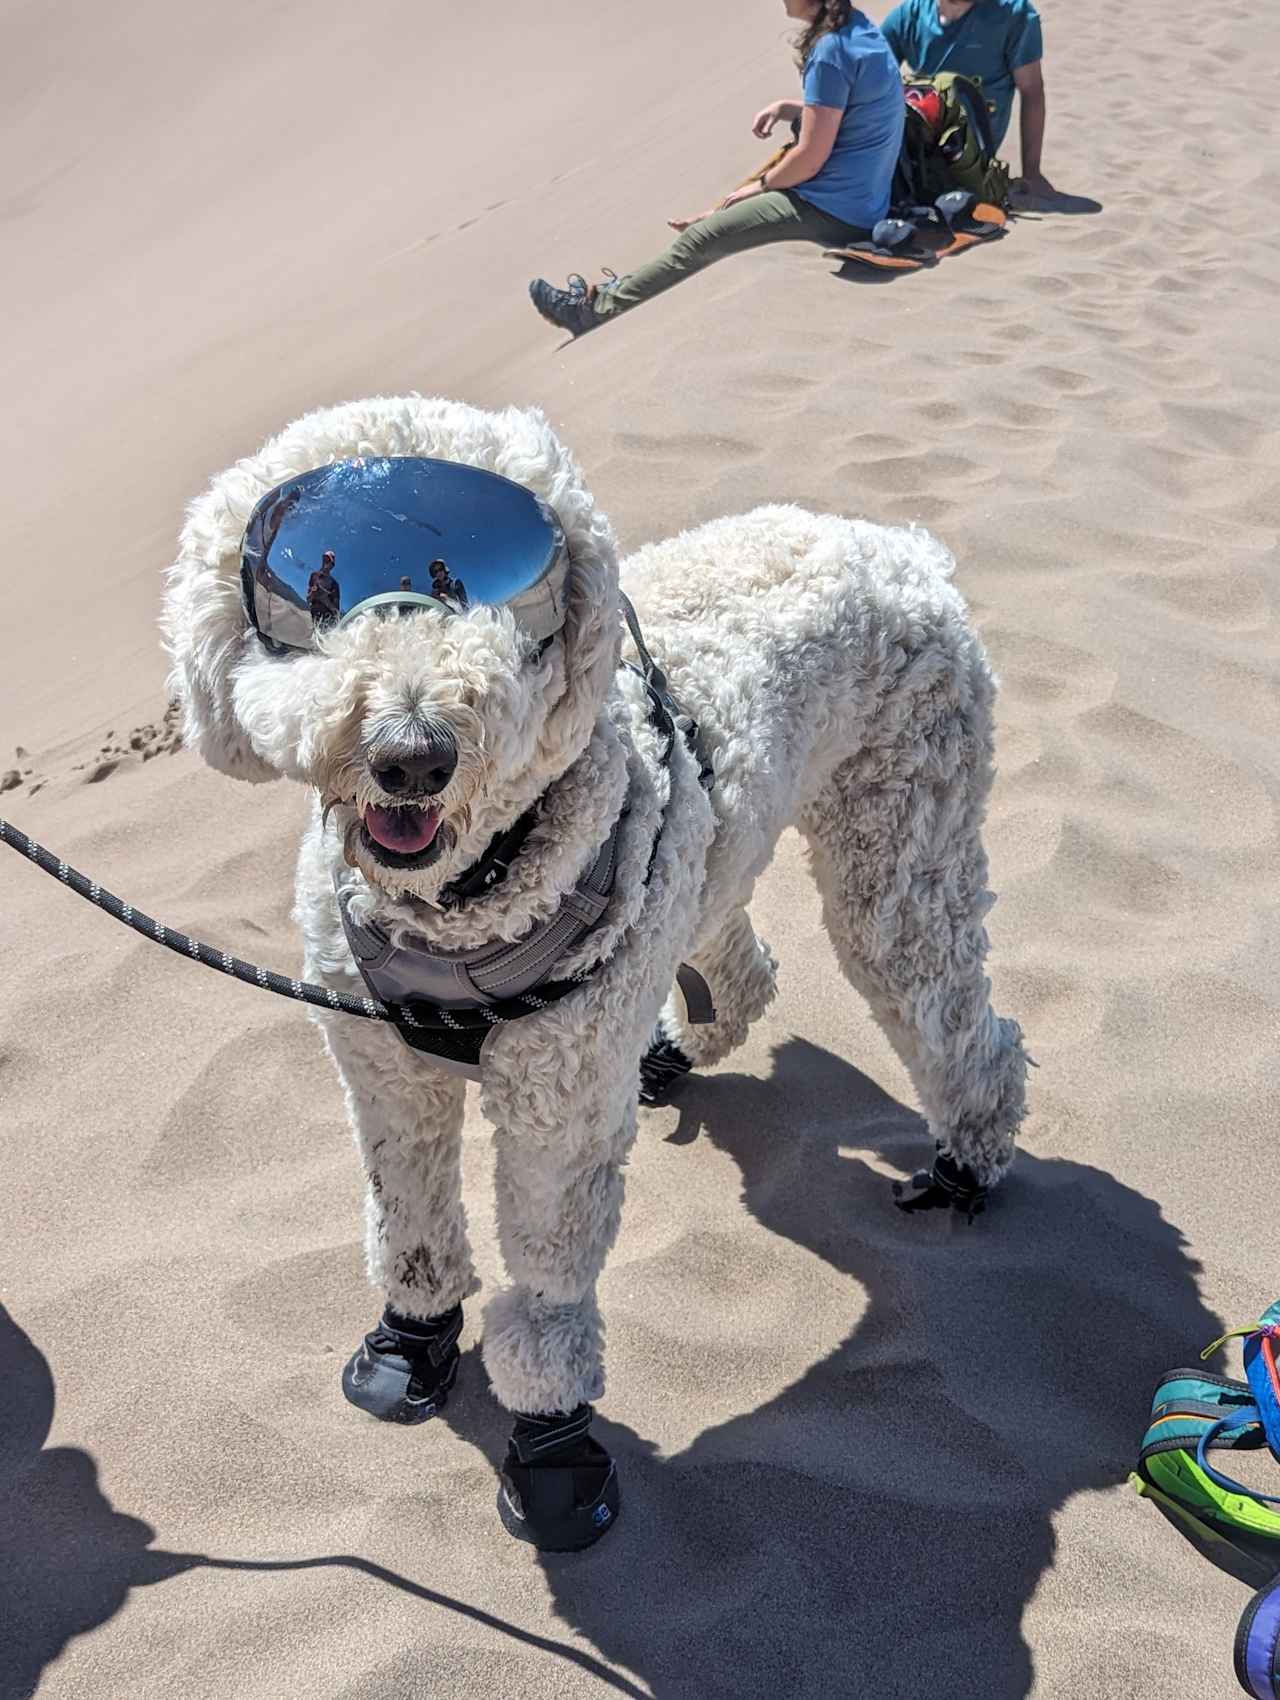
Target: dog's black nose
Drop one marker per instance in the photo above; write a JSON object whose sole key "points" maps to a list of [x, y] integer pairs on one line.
{"points": [[421, 771]]}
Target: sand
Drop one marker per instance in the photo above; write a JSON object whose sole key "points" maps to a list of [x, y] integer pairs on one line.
{"points": [[862, 1455]]}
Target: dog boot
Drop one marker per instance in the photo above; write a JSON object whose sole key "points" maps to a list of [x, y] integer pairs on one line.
{"points": [[405, 1368], [662, 1065], [559, 1486], [947, 1186]]}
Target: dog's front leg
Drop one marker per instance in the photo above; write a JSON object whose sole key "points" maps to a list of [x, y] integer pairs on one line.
{"points": [[406, 1115], [559, 1194]]}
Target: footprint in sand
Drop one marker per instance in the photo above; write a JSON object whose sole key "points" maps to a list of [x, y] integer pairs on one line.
{"points": [[14, 778], [154, 739], [1063, 380], [1024, 415], [1171, 773], [697, 457], [1236, 602], [1218, 430], [1048, 680], [908, 474], [773, 386]]}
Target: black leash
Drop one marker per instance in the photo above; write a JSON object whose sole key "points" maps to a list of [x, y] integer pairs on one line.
{"points": [[183, 945], [428, 1019], [421, 1024]]}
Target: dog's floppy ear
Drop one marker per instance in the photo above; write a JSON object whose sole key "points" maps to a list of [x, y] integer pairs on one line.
{"points": [[205, 629], [533, 455]]}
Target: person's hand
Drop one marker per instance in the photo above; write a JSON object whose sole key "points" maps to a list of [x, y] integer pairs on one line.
{"points": [[763, 122]]}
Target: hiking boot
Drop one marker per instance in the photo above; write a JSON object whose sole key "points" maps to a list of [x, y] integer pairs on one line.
{"points": [[571, 309], [404, 1369]]}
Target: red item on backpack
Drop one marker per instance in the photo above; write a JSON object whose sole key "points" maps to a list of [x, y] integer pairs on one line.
{"points": [[928, 103]]}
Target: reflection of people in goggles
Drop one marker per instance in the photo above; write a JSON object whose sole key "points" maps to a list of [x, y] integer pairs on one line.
{"points": [[324, 593], [489, 542], [448, 589]]}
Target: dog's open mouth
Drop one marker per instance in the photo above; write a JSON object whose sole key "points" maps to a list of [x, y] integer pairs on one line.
{"points": [[402, 838]]}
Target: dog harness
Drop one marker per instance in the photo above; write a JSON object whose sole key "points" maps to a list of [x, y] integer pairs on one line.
{"points": [[453, 1000], [1195, 1413]]}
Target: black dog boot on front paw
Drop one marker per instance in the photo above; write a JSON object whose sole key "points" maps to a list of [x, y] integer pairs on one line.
{"points": [[559, 1486], [405, 1368], [662, 1067], [948, 1185]]}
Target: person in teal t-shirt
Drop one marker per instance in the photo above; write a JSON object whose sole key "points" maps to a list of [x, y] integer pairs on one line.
{"points": [[997, 40]]}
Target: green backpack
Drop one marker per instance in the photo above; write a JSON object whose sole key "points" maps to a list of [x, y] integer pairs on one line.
{"points": [[947, 144]]}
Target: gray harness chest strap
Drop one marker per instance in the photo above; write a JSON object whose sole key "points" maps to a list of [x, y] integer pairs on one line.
{"points": [[417, 971], [453, 1001]]}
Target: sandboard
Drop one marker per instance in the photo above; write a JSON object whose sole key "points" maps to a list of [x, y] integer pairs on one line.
{"points": [[985, 222]]}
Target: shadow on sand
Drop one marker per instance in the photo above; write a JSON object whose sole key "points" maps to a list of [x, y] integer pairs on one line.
{"points": [[878, 1527], [68, 1559]]}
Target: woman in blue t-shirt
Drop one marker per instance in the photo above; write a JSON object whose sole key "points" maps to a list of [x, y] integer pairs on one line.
{"points": [[831, 188]]}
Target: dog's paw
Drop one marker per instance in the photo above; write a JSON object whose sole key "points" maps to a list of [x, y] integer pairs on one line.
{"points": [[948, 1185]]}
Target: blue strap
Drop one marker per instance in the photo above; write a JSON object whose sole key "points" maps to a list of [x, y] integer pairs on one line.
{"points": [[1262, 1388], [1240, 1418]]}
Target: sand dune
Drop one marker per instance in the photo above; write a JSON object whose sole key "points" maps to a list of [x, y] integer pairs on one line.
{"points": [[862, 1456]]}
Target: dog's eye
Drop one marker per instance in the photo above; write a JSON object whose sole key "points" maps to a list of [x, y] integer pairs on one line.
{"points": [[540, 649]]}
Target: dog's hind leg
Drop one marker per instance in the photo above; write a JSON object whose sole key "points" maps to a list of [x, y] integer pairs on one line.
{"points": [[741, 973], [896, 846], [406, 1115]]}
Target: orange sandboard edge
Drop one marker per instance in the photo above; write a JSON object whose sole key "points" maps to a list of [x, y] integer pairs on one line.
{"points": [[887, 262]]}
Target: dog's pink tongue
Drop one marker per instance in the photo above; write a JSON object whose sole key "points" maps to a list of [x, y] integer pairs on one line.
{"points": [[405, 830]]}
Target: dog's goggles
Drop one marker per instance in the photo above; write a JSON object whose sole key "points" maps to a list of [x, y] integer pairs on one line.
{"points": [[399, 532]]}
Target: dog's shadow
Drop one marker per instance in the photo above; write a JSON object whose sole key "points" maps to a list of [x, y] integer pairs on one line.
{"points": [[880, 1525]]}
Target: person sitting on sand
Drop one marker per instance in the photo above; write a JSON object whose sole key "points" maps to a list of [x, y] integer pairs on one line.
{"points": [[1000, 43], [831, 188]]}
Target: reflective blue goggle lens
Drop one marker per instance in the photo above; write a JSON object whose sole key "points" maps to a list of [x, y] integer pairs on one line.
{"points": [[400, 532]]}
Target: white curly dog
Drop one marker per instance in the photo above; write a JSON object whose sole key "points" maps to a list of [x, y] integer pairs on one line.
{"points": [[488, 724]]}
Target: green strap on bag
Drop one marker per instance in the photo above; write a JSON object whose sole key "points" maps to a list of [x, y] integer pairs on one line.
{"points": [[1194, 1413]]}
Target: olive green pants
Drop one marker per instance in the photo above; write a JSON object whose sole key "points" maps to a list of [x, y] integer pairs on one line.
{"points": [[778, 215]]}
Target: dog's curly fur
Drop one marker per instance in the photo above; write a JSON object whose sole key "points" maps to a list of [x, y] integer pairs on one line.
{"points": [[838, 687]]}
